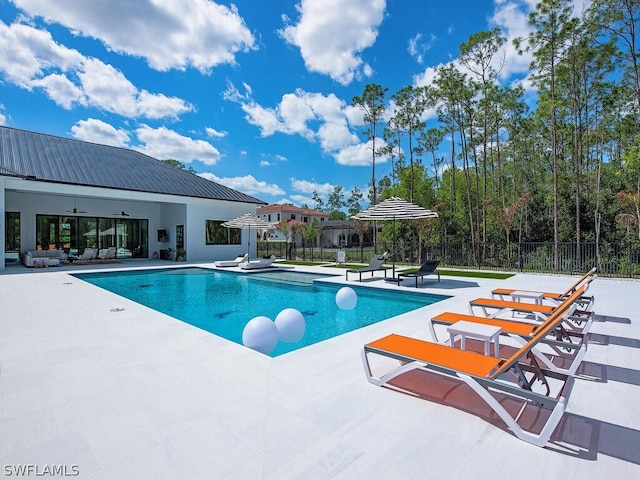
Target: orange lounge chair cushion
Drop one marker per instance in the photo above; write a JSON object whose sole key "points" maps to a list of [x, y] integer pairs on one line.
{"points": [[508, 326], [517, 306], [409, 348], [587, 277], [508, 291]]}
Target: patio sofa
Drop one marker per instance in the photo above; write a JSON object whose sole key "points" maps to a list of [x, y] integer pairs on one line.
{"points": [[43, 258]]}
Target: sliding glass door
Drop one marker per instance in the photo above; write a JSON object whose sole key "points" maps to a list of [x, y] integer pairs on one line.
{"points": [[73, 234]]}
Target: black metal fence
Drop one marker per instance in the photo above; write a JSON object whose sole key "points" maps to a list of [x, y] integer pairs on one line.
{"points": [[612, 259]]}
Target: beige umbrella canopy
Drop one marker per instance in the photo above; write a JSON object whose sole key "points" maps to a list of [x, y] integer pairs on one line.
{"points": [[247, 220], [394, 208]]}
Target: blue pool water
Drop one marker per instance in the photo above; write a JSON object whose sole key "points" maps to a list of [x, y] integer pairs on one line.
{"points": [[223, 302]]}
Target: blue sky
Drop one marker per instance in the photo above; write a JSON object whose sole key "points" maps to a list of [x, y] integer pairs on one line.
{"points": [[254, 94]]}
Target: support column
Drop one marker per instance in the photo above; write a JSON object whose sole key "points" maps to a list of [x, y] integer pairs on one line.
{"points": [[3, 226]]}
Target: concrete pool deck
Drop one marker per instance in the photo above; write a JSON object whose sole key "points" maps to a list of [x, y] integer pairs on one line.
{"points": [[94, 382]]}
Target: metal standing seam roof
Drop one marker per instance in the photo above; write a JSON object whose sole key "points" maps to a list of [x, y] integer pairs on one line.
{"points": [[48, 158]]}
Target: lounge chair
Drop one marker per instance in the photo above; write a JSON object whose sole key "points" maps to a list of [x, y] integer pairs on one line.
{"points": [[262, 263], [375, 265], [427, 268], [88, 254], [108, 254], [540, 312], [517, 378], [242, 258], [567, 348], [554, 297]]}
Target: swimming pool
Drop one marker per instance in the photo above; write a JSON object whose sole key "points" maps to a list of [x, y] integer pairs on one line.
{"points": [[223, 302]]}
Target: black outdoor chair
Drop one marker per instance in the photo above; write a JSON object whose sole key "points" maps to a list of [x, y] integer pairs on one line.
{"points": [[374, 266], [427, 268]]}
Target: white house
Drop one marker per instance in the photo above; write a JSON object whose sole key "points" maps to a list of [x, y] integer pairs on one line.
{"points": [[333, 233], [278, 212], [69, 194]]}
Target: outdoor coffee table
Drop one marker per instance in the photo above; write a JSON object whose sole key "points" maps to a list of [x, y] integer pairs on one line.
{"points": [[477, 331]]}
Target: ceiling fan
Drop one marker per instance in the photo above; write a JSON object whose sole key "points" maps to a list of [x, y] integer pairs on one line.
{"points": [[122, 213], [75, 210]]}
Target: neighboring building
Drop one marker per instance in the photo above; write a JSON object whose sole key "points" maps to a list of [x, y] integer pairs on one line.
{"points": [[333, 234], [69, 194], [277, 212]]}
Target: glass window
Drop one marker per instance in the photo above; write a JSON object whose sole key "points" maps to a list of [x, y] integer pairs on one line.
{"points": [[12, 232], [87, 234], [106, 233], [46, 232], [216, 234], [179, 236], [143, 229]]}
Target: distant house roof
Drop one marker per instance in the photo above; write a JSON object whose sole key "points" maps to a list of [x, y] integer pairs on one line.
{"points": [[277, 207], [48, 158]]}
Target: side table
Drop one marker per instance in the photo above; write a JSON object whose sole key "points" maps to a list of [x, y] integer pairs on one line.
{"points": [[478, 331]]}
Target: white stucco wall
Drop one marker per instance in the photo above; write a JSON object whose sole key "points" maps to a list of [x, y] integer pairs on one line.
{"points": [[201, 210]]}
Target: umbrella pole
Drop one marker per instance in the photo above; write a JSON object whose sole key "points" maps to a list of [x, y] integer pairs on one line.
{"points": [[393, 251], [393, 247]]}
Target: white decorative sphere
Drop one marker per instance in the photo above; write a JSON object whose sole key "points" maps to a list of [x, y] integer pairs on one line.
{"points": [[260, 334], [290, 325], [346, 298]]}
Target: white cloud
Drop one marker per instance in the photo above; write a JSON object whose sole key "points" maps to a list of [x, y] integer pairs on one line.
{"points": [[418, 46], [232, 93], [212, 132], [360, 155], [298, 113], [30, 58], [108, 89], [317, 117], [513, 20], [26, 52], [60, 89], [167, 33], [97, 131], [247, 184], [3, 117], [413, 48], [305, 186], [265, 163], [299, 200], [511, 17], [263, 118], [332, 33], [162, 143], [354, 115]]}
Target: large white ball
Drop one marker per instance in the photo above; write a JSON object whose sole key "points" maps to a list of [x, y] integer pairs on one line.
{"points": [[346, 298], [290, 324], [260, 334]]}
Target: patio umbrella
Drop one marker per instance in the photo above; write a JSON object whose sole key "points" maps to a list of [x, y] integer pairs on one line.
{"points": [[394, 208], [247, 221]]}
